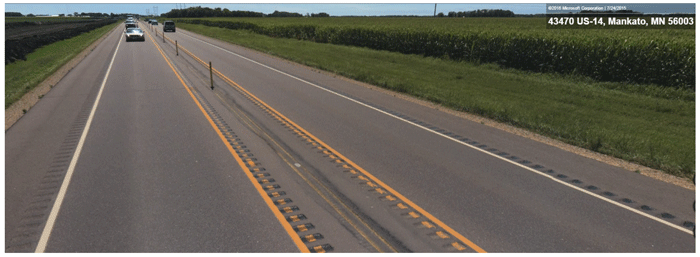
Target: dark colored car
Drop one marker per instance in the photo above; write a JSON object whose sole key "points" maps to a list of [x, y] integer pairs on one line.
{"points": [[169, 26]]}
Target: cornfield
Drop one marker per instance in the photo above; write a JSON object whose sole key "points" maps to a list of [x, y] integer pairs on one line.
{"points": [[663, 57]]}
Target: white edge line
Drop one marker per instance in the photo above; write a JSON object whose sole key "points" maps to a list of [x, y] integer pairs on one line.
{"points": [[460, 142], [48, 228]]}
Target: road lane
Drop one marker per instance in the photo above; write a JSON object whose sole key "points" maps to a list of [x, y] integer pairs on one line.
{"points": [[332, 226], [338, 120], [153, 179], [40, 144], [48, 227], [158, 174]]}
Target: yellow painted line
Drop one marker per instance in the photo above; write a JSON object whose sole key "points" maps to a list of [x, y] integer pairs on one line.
{"points": [[319, 249], [248, 121], [363, 171], [295, 218], [442, 235], [564, 183], [458, 246], [302, 228], [310, 238], [287, 227], [427, 224], [351, 163]]}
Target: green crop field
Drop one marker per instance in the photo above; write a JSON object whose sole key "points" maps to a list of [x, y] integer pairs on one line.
{"points": [[613, 55], [23, 76], [494, 26], [624, 93], [484, 26]]}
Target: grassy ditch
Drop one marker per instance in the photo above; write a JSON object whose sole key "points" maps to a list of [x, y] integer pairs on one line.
{"points": [[22, 76], [645, 124]]}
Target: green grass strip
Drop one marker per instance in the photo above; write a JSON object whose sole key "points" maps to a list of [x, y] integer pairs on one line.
{"points": [[23, 76], [609, 118]]}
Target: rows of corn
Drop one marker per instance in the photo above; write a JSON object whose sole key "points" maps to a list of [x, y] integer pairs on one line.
{"points": [[604, 55]]}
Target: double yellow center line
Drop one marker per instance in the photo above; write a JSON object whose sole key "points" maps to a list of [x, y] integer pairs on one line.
{"points": [[292, 234], [300, 244]]}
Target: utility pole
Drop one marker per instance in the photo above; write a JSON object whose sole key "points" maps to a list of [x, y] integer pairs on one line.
{"points": [[435, 11]]}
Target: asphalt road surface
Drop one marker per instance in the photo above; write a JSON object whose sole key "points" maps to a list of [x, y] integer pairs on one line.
{"points": [[133, 151]]}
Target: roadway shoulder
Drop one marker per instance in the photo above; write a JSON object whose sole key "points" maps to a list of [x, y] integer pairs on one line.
{"points": [[17, 110]]}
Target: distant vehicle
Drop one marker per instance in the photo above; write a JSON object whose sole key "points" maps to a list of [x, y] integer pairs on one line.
{"points": [[154, 22], [134, 34], [130, 25], [168, 25], [146, 20]]}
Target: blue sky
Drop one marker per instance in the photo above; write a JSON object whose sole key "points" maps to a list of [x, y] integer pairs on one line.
{"points": [[367, 9], [406, 7]]}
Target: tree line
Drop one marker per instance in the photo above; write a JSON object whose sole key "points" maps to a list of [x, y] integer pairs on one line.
{"points": [[208, 12], [74, 14], [480, 13], [198, 12]]}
